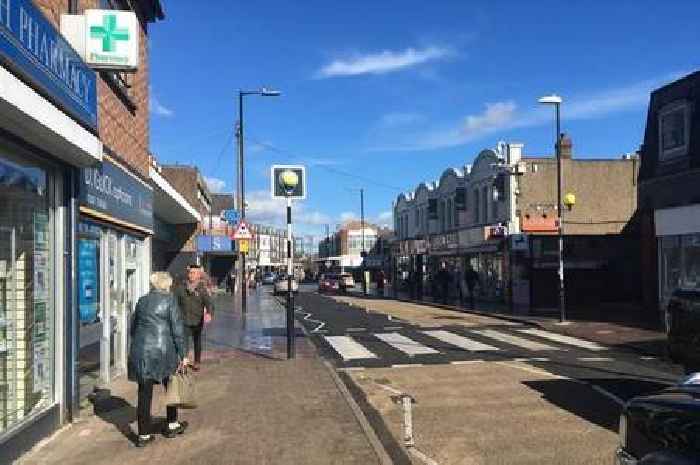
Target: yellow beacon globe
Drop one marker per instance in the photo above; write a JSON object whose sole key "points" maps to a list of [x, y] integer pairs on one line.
{"points": [[289, 179], [569, 199]]}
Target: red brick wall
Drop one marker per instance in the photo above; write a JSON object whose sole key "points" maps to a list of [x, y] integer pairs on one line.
{"points": [[124, 132]]}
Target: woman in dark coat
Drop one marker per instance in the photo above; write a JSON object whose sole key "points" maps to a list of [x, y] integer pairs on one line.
{"points": [[157, 352]]}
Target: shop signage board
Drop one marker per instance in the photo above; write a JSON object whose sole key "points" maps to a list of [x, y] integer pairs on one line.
{"points": [[108, 189], [31, 47], [111, 39]]}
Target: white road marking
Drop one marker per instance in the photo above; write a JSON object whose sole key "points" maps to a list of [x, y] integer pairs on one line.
{"points": [[459, 341], [405, 344], [465, 362], [407, 365], [531, 359], [393, 328], [647, 358], [355, 330], [351, 369], [596, 359], [607, 394], [348, 348], [514, 340], [568, 340]]}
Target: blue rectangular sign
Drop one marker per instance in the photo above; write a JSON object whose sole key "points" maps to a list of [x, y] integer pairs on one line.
{"points": [[88, 280], [32, 48], [231, 216], [214, 244], [108, 189]]}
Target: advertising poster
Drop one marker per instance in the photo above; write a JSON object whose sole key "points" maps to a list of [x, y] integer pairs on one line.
{"points": [[88, 279]]}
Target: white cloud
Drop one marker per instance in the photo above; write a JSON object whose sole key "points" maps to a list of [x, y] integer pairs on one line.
{"points": [[263, 209], [505, 115], [215, 184], [157, 108], [382, 62], [495, 116], [347, 216]]}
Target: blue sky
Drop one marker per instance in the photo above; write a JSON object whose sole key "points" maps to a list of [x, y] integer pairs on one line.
{"points": [[386, 94]]}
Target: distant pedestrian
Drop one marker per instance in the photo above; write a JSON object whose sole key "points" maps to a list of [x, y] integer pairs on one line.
{"points": [[157, 352], [471, 278], [194, 301], [443, 280], [459, 281], [381, 278]]}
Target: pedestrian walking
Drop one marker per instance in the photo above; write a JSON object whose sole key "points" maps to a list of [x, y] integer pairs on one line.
{"points": [[459, 280], [443, 280], [196, 305], [157, 351], [471, 277], [381, 279]]}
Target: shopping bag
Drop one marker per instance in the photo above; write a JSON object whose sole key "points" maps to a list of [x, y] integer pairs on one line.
{"points": [[207, 317], [181, 391]]}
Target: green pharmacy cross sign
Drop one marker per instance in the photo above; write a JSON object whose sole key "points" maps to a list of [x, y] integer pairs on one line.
{"points": [[109, 33]]}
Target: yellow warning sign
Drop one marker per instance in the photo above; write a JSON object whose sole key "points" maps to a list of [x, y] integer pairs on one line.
{"points": [[243, 246]]}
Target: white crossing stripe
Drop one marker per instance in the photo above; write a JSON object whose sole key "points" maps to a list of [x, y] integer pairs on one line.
{"points": [[405, 345], [348, 348], [459, 341], [514, 340], [569, 340]]}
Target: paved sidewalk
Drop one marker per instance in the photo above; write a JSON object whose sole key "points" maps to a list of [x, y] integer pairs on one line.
{"points": [[255, 407], [596, 325]]}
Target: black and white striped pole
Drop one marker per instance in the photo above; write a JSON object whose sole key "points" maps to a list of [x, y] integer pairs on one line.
{"points": [[289, 182], [291, 331]]}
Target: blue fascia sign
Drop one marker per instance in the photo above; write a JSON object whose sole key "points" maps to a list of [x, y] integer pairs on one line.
{"points": [[108, 189], [214, 243], [32, 48]]}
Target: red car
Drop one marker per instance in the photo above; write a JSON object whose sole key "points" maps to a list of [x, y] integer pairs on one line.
{"points": [[330, 283]]}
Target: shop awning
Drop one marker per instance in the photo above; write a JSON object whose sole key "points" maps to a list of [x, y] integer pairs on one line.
{"points": [[168, 204]]}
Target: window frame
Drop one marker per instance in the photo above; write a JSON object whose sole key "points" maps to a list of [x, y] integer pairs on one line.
{"points": [[669, 155]]}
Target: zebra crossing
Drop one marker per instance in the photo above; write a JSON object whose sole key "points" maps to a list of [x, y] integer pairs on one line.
{"points": [[434, 344]]}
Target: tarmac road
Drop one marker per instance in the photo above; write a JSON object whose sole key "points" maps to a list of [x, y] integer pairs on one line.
{"points": [[561, 396]]}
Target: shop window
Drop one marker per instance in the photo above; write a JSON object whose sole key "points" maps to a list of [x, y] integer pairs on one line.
{"points": [[674, 122], [690, 246], [26, 288]]}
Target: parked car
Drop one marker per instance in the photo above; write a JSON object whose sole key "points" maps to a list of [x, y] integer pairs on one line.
{"points": [[662, 428], [683, 328], [347, 281], [282, 285], [269, 278], [329, 283]]}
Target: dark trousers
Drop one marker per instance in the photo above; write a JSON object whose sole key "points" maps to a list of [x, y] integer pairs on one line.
{"points": [[194, 333], [143, 411]]}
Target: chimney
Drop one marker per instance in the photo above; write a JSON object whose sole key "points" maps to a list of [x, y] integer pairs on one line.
{"points": [[566, 146]]}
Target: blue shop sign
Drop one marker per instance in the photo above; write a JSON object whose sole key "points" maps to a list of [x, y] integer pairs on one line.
{"points": [[32, 47], [215, 243], [108, 189]]}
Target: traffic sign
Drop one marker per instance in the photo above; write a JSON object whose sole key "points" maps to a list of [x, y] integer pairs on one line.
{"points": [[231, 216], [243, 245], [242, 231]]}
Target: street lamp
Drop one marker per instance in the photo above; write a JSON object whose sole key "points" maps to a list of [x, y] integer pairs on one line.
{"points": [[265, 92], [363, 254], [556, 101]]}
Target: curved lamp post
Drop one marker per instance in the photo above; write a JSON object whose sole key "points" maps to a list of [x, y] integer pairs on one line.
{"points": [[556, 101], [265, 92]]}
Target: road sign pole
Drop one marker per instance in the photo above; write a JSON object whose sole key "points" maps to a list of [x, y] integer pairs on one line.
{"points": [[291, 331]]}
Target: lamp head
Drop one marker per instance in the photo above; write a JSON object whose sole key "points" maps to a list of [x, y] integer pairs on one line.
{"points": [[570, 200], [265, 92], [550, 99], [289, 180]]}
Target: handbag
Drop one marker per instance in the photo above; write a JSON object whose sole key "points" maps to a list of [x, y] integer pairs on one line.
{"points": [[181, 390], [207, 317]]}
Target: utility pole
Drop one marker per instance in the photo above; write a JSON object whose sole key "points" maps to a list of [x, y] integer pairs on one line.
{"points": [[364, 253], [241, 203], [291, 330]]}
